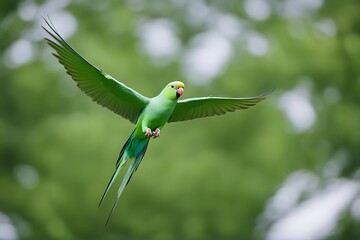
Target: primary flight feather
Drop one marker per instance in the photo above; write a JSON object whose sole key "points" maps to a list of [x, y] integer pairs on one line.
{"points": [[148, 114]]}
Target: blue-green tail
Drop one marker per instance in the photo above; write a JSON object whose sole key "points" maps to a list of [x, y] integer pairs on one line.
{"points": [[133, 150]]}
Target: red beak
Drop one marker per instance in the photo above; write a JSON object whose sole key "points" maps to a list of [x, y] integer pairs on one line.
{"points": [[179, 92]]}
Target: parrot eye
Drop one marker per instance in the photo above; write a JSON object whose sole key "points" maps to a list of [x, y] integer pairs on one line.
{"points": [[172, 86]]}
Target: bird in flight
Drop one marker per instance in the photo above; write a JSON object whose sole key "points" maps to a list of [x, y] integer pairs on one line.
{"points": [[148, 114]]}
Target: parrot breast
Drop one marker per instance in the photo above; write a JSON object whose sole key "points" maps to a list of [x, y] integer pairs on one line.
{"points": [[158, 112]]}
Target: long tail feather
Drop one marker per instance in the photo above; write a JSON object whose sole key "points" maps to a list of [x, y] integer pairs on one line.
{"points": [[124, 182], [117, 171], [120, 162], [133, 150]]}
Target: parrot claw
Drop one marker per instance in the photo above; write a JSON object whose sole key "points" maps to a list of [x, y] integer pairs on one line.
{"points": [[156, 133], [148, 132], [153, 134]]}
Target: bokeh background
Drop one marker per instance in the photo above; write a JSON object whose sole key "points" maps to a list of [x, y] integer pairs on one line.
{"points": [[286, 169]]}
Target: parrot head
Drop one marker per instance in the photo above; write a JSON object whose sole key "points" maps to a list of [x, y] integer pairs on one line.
{"points": [[174, 90]]}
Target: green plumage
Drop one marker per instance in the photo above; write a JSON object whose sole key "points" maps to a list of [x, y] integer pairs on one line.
{"points": [[148, 114], [133, 151]]}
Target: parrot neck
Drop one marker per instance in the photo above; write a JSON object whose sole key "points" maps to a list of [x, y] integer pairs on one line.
{"points": [[162, 99], [166, 96]]}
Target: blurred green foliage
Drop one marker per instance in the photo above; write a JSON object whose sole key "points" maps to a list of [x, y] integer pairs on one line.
{"points": [[202, 179]]}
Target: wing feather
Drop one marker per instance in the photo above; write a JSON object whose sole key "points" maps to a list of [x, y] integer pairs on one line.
{"points": [[193, 108], [101, 87]]}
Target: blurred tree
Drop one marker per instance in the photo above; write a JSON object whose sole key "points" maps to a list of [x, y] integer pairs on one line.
{"points": [[222, 177]]}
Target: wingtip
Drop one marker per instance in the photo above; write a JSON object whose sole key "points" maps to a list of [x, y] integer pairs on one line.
{"points": [[52, 27], [265, 94], [273, 89], [46, 21]]}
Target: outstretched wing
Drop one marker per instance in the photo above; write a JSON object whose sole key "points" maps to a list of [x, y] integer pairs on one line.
{"points": [[192, 108], [101, 87]]}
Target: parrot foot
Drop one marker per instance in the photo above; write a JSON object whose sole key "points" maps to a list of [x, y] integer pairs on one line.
{"points": [[156, 133], [148, 132]]}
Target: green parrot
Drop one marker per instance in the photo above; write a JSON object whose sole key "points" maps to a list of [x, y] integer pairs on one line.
{"points": [[148, 114]]}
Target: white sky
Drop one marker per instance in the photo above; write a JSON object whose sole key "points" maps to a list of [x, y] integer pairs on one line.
{"points": [[158, 38], [7, 230], [297, 107], [316, 217], [257, 9]]}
